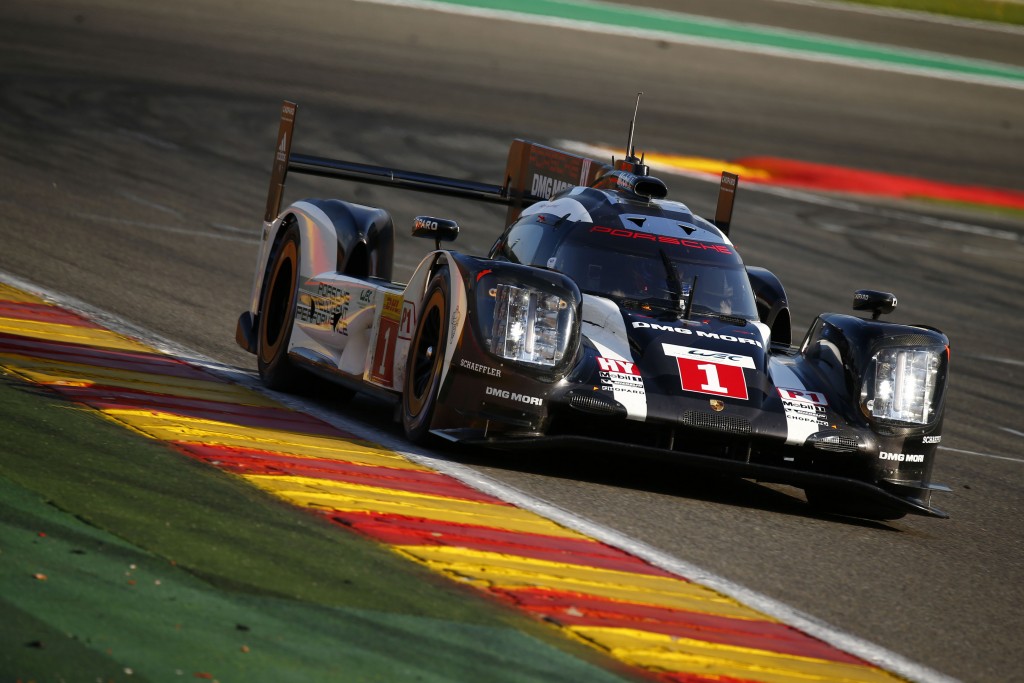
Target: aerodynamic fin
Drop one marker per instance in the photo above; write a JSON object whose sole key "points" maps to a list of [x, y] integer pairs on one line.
{"points": [[281, 157], [535, 172], [726, 198]]}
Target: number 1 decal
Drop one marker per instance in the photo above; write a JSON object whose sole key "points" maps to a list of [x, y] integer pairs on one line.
{"points": [[704, 371], [382, 367], [711, 370], [712, 378], [382, 370]]}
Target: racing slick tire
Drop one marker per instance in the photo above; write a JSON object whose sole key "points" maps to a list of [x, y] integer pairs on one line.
{"points": [[276, 313], [426, 357], [835, 502]]}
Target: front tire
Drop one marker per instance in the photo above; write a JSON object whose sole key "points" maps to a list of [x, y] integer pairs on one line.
{"points": [[425, 362], [277, 315]]}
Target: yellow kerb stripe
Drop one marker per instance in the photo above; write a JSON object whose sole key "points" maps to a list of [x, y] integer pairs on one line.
{"points": [[698, 164], [8, 293], [488, 569], [669, 653], [46, 371], [704, 165], [347, 497], [168, 427], [89, 336]]}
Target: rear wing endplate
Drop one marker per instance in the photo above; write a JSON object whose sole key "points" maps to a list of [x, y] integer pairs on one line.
{"points": [[534, 173], [281, 156], [726, 199]]}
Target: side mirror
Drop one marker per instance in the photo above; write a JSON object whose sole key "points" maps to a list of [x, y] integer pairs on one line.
{"points": [[438, 229], [876, 302]]}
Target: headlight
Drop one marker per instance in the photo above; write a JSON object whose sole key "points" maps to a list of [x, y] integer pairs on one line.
{"points": [[902, 383], [530, 326]]}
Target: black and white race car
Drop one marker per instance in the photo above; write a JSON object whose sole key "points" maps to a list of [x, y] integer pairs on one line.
{"points": [[605, 317]]}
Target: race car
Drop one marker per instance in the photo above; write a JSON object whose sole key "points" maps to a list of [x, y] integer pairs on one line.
{"points": [[605, 317]]}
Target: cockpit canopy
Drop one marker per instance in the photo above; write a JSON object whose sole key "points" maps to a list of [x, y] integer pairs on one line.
{"points": [[648, 262]]}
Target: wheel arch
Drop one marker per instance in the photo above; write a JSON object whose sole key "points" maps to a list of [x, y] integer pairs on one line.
{"points": [[350, 238], [447, 264], [772, 304], [334, 235], [418, 408]]}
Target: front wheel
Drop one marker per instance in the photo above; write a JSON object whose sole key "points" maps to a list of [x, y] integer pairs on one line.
{"points": [[425, 361]]}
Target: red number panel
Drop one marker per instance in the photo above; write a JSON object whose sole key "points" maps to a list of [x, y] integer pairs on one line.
{"points": [[718, 379]]}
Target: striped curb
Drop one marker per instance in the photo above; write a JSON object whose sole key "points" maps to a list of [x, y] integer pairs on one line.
{"points": [[670, 628], [806, 175]]}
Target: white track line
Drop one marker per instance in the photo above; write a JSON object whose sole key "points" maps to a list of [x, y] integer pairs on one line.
{"points": [[161, 227], [719, 43], [984, 455], [854, 645], [996, 359]]}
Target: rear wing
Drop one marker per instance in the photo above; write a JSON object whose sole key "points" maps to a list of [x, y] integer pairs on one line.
{"points": [[285, 161], [533, 173]]}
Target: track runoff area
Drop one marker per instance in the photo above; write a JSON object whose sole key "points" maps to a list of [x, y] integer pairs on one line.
{"points": [[649, 613]]}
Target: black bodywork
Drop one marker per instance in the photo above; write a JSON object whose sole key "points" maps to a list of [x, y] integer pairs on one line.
{"points": [[852, 414]]}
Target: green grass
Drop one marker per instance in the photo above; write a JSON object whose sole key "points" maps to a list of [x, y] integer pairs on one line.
{"points": [[986, 10], [118, 555]]}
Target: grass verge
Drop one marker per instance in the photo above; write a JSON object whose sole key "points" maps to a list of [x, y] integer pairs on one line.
{"points": [[1005, 12], [121, 559]]}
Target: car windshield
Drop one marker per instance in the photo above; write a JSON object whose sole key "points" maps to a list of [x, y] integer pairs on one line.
{"points": [[647, 274]]}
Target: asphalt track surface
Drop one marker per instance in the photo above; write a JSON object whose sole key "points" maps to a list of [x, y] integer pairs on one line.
{"points": [[135, 143]]}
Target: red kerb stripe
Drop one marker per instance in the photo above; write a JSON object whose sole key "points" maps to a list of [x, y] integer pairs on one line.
{"points": [[574, 609], [406, 530], [247, 461], [44, 313]]}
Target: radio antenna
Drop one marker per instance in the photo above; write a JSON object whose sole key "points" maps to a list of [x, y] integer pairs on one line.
{"points": [[630, 150]]}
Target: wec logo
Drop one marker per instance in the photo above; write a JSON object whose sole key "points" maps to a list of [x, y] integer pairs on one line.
{"points": [[719, 357]]}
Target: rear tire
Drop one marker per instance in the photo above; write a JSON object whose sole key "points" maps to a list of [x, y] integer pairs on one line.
{"points": [[277, 315], [426, 358]]}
